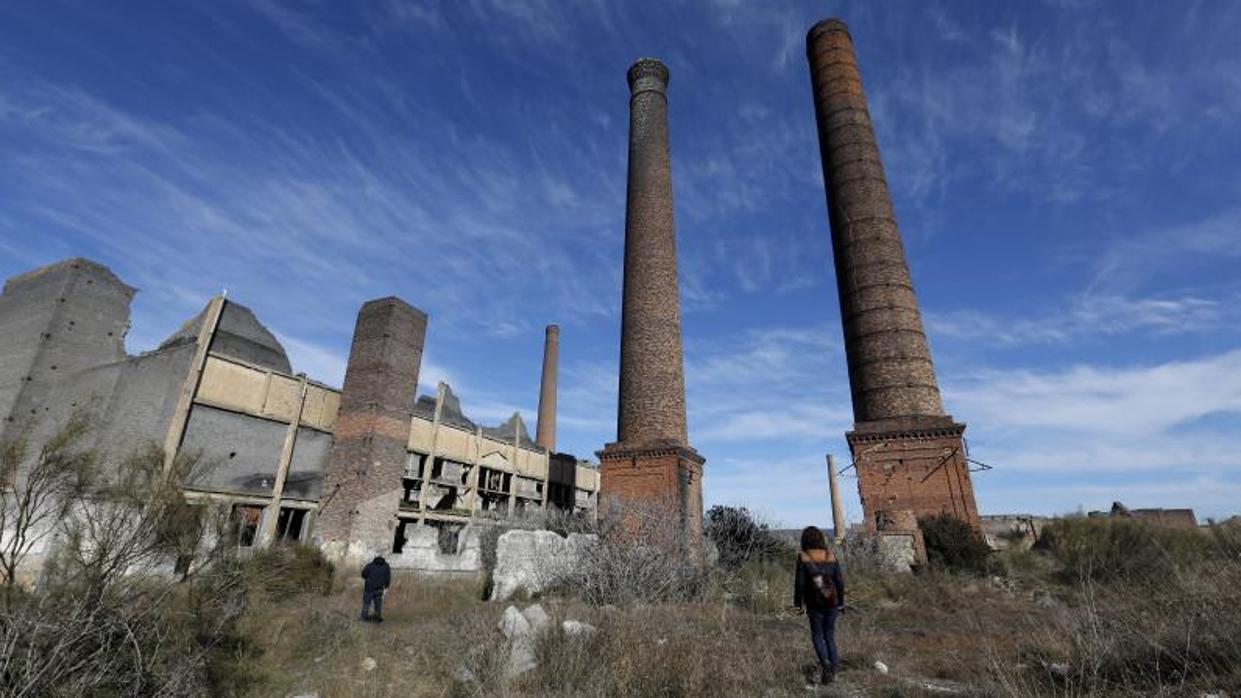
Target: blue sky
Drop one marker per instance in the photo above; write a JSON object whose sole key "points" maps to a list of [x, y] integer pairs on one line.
{"points": [[1067, 176]]}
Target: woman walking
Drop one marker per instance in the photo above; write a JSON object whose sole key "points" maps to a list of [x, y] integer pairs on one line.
{"points": [[820, 587]]}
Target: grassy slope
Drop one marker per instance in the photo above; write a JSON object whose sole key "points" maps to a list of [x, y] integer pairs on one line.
{"points": [[982, 635]]}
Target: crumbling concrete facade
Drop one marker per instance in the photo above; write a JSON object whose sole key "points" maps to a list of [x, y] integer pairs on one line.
{"points": [[1174, 518], [651, 461], [220, 389], [910, 455], [55, 322]]}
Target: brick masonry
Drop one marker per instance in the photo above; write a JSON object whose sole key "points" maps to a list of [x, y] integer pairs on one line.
{"points": [[910, 455], [652, 380], [546, 434], [919, 470], [651, 461], [362, 484], [669, 479]]}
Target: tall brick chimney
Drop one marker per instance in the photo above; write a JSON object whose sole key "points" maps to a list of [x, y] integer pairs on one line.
{"points": [[546, 434], [651, 460], [910, 455], [362, 483]]}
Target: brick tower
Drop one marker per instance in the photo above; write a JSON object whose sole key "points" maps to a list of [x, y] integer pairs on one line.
{"points": [[651, 462], [546, 434], [362, 483], [910, 455]]}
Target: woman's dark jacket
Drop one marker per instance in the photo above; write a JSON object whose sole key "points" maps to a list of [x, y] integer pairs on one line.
{"points": [[803, 584]]}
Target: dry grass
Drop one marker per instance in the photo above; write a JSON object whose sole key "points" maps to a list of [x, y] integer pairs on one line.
{"points": [[1032, 631]]}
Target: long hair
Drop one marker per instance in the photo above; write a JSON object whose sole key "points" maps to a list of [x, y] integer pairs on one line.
{"points": [[812, 538], [814, 545]]}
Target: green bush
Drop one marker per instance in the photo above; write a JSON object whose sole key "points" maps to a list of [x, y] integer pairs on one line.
{"points": [[1123, 548], [740, 538], [954, 545]]}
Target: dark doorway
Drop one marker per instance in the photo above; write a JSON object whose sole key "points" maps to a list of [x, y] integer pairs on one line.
{"points": [[246, 524], [289, 524]]}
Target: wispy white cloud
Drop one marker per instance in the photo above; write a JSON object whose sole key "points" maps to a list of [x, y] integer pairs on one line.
{"points": [[1116, 402], [1086, 317]]}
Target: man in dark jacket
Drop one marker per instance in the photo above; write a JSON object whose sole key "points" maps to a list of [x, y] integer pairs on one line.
{"points": [[377, 576]]}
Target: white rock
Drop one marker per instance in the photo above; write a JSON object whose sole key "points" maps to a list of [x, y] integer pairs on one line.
{"points": [[538, 618], [464, 675], [576, 628], [521, 657], [369, 664], [881, 667], [513, 624], [536, 560]]}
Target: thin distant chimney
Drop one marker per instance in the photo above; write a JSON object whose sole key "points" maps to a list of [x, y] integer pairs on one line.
{"points": [[546, 436], [838, 514]]}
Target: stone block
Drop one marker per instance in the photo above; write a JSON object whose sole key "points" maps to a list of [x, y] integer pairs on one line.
{"points": [[533, 561]]}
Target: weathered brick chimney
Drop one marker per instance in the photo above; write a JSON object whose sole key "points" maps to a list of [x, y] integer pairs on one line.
{"points": [[651, 460], [546, 434], [362, 484], [909, 454]]}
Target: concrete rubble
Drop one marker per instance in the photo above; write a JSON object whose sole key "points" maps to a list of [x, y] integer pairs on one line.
{"points": [[522, 629], [534, 561], [576, 628]]}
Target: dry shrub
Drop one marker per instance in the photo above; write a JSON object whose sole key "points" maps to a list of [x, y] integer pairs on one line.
{"points": [[1151, 610], [1104, 549], [289, 569], [108, 616], [640, 557]]}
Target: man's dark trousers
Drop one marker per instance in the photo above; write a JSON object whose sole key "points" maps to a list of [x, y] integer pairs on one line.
{"points": [[372, 597]]}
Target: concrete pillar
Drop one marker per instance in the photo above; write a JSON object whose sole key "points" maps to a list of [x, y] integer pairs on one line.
{"points": [[428, 463], [362, 484], [909, 453], [838, 514], [652, 380], [546, 434], [267, 528], [189, 386], [890, 369], [651, 462]]}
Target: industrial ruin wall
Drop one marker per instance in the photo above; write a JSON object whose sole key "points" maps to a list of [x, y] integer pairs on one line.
{"points": [[263, 436]]}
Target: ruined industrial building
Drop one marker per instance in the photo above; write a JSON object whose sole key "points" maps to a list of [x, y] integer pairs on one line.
{"points": [[365, 467], [371, 467]]}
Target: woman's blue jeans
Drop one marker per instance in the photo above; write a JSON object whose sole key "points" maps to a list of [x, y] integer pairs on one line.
{"points": [[823, 635]]}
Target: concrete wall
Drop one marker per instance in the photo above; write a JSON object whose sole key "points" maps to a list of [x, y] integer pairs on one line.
{"points": [[240, 452], [310, 457], [263, 392], [238, 334], [56, 321], [61, 349]]}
